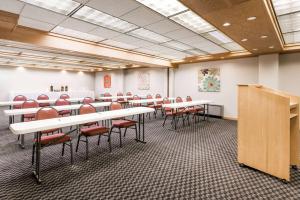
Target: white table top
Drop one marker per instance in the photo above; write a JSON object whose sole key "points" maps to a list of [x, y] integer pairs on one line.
{"points": [[114, 97], [154, 100], [58, 108], [51, 101], [47, 124], [186, 104]]}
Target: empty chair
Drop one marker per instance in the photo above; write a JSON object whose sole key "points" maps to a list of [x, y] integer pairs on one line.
{"points": [[19, 98], [121, 123], [169, 112], [55, 138], [91, 129], [129, 94], [150, 105], [121, 99], [106, 94], [158, 105], [43, 97], [29, 104], [136, 97], [63, 102], [195, 110], [64, 96], [88, 100]]}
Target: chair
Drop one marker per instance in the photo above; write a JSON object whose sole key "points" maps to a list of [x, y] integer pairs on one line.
{"points": [[64, 96], [158, 104], [169, 112], [120, 123], [136, 97], [19, 98], [91, 129], [129, 94], [43, 97], [195, 110], [120, 99], [29, 104], [106, 94], [56, 138], [88, 100], [150, 105], [63, 102]]}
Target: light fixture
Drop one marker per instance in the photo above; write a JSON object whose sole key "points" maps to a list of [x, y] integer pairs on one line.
{"points": [[165, 7], [193, 22], [97, 17], [283, 7], [195, 52], [217, 37], [118, 44], [263, 36], [233, 46], [244, 40], [149, 35], [64, 7], [177, 45], [76, 34], [254, 49], [293, 37], [271, 47], [226, 24], [251, 18]]}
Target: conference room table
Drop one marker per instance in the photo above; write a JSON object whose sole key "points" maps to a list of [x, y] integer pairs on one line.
{"points": [[154, 100], [15, 112], [38, 126], [187, 104], [113, 97]]}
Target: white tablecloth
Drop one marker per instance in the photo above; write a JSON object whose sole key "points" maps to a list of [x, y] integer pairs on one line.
{"points": [[52, 95]]}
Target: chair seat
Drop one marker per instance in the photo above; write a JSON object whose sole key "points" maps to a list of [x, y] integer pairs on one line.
{"points": [[44, 104], [54, 139], [170, 113], [29, 119], [122, 123], [65, 112], [94, 130], [122, 101]]}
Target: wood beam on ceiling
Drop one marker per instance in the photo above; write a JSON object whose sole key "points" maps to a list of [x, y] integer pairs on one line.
{"points": [[48, 40], [236, 12], [8, 20]]}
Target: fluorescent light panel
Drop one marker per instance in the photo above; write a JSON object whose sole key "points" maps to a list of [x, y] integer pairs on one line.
{"points": [[119, 44], [286, 6], [177, 45], [76, 34], [233, 46], [97, 17], [193, 22], [291, 38], [195, 52], [149, 35], [60, 6], [164, 7], [217, 37], [289, 23]]}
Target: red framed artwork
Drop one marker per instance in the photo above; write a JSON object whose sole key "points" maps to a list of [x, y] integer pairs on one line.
{"points": [[107, 81]]}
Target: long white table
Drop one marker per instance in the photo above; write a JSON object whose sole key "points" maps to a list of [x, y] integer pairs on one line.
{"points": [[51, 101], [154, 100], [52, 95], [42, 125], [187, 104], [113, 97]]}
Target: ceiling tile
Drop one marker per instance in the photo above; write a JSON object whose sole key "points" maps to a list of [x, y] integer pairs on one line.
{"points": [[81, 1], [78, 25], [119, 44], [180, 33], [193, 40], [41, 14], [114, 7], [12, 6], [104, 32], [132, 40], [163, 26], [142, 16], [23, 21]]}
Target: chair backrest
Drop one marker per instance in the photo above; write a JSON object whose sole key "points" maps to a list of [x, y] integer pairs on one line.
{"points": [[86, 109], [62, 102], [189, 98], [157, 96], [129, 94], [149, 96], [88, 100], [115, 106], [64, 96], [120, 94], [46, 113], [167, 101], [106, 94], [19, 98], [42, 97], [136, 97], [179, 100], [30, 104]]}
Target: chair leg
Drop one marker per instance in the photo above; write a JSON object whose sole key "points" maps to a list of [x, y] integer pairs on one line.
{"points": [[165, 120], [120, 133], [33, 153], [87, 148], [71, 151], [63, 149], [78, 142], [125, 132], [136, 133], [109, 139], [99, 138]]}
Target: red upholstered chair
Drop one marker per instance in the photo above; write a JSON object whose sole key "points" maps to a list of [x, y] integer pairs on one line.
{"points": [[88, 100], [106, 94], [195, 110], [121, 123], [19, 98], [129, 94], [64, 96], [136, 97], [150, 105], [158, 104], [120, 99], [56, 138], [63, 102], [29, 104], [169, 112], [43, 97], [91, 129]]}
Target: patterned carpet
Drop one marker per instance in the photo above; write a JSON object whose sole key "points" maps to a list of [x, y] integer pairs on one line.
{"points": [[196, 162]]}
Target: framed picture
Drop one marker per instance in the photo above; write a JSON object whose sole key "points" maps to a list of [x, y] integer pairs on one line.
{"points": [[107, 81], [209, 80], [143, 81]]}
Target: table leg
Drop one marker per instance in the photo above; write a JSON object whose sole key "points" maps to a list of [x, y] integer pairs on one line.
{"points": [[36, 173], [22, 142], [141, 130]]}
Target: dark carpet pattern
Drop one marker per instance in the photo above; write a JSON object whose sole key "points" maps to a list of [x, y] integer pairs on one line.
{"points": [[196, 162]]}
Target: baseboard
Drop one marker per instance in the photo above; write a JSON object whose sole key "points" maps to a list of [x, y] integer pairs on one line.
{"points": [[230, 118]]}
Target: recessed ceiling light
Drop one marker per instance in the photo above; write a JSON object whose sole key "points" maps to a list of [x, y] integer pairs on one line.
{"points": [[263, 36], [254, 49], [244, 40], [251, 18], [226, 24], [271, 47]]}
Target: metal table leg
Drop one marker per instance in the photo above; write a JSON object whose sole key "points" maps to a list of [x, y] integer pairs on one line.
{"points": [[36, 172], [141, 131]]}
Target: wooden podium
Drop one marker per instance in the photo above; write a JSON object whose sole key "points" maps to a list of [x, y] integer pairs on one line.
{"points": [[268, 130]]}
